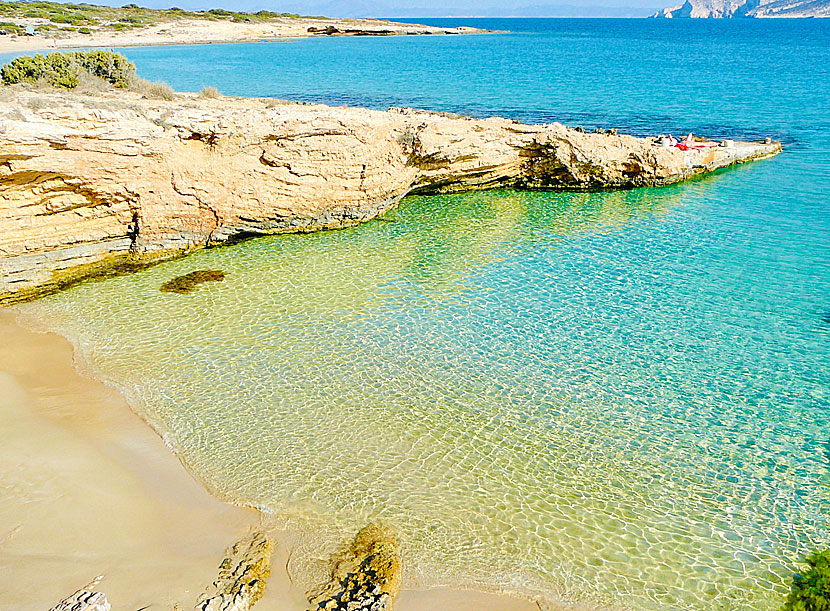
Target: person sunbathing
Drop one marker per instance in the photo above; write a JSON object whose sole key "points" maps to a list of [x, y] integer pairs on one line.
{"points": [[689, 143]]}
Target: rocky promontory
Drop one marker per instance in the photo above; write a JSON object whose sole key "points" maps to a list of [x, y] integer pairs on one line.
{"points": [[727, 9], [104, 182]]}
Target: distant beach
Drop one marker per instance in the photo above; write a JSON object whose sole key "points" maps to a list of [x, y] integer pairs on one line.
{"points": [[186, 31]]}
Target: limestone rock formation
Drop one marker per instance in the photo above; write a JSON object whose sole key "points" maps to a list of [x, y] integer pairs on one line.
{"points": [[242, 576], [85, 599], [105, 183], [365, 575], [714, 9]]}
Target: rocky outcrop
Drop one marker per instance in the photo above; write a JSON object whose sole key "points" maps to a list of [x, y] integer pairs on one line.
{"points": [[85, 599], [105, 183], [714, 9], [242, 576], [365, 575]]}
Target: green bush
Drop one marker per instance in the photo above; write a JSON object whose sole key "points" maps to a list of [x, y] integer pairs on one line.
{"points": [[811, 589], [73, 19], [62, 69]]}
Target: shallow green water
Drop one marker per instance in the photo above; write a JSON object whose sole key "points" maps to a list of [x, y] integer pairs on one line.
{"points": [[566, 394]]}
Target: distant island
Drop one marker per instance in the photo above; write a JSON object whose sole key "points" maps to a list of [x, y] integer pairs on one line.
{"points": [[726, 9]]}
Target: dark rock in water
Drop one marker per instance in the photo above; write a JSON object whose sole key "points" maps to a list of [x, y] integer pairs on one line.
{"points": [[328, 31], [366, 575], [189, 282], [825, 317]]}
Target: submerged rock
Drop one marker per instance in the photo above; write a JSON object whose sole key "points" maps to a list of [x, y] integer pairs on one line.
{"points": [[365, 575], [189, 282], [242, 576], [825, 317]]}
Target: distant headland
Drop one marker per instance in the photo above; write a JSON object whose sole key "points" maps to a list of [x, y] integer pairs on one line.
{"points": [[726, 9]]}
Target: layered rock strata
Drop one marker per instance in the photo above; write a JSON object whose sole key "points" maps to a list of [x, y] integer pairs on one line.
{"points": [[103, 183], [242, 576], [365, 575], [85, 599]]}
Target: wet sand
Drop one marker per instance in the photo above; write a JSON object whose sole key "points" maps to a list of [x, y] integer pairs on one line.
{"points": [[88, 489]]}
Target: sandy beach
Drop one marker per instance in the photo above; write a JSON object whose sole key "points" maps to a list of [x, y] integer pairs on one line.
{"points": [[89, 489], [203, 31]]}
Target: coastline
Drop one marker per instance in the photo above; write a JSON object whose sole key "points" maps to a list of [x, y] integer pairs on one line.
{"points": [[110, 181], [90, 489], [199, 31]]}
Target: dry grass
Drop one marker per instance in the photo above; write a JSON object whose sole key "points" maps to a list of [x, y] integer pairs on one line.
{"points": [[209, 92], [39, 103], [89, 83], [153, 91]]}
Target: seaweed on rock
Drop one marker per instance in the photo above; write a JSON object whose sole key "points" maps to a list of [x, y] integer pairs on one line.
{"points": [[189, 282], [811, 588]]}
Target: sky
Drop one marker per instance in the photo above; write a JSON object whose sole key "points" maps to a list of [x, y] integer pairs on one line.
{"points": [[421, 8]]}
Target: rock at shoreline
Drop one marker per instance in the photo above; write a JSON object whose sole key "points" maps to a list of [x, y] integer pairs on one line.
{"points": [[366, 575], [189, 282], [242, 576], [85, 599], [96, 184]]}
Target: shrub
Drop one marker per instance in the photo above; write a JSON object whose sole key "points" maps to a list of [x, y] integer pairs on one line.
{"points": [[38, 103], [157, 91], [811, 589], [209, 92], [90, 83], [73, 18], [63, 69], [84, 31], [112, 67]]}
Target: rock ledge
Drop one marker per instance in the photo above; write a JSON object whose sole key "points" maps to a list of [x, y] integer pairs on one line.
{"points": [[110, 182]]}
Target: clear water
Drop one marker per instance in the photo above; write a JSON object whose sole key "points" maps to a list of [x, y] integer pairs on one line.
{"points": [[620, 398]]}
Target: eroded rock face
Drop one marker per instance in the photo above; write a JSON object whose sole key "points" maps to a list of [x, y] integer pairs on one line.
{"points": [[242, 576], [92, 184], [365, 575]]}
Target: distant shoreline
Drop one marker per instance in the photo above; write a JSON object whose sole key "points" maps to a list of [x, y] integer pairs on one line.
{"points": [[203, 31]]}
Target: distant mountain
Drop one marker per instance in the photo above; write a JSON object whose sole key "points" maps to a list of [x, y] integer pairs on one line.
{"points": [[714, 9]]}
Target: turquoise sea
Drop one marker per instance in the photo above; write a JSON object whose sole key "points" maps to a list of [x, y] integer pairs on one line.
{"points": [[617, 398]]}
